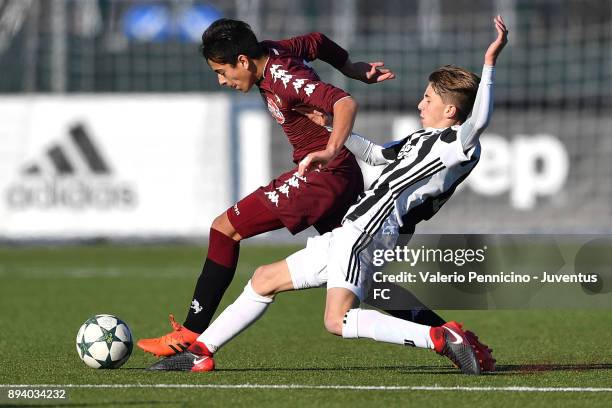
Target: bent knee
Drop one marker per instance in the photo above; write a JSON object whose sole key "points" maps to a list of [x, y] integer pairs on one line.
{"points": [[262, 274], [262, 281], [219, 221], [222, 224]]}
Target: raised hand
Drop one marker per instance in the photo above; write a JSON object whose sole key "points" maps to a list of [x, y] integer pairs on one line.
{"points": [[499, 43], [368, 72], [377, 73]]}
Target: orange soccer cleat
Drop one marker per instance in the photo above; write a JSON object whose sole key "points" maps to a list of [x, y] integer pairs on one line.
{"points": [[177, 341]]}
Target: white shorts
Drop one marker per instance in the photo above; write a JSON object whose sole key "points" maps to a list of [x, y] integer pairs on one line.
{"points": [[341, 259]]}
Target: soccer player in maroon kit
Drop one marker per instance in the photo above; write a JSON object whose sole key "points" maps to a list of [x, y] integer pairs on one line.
{"points": [[285, 82]]}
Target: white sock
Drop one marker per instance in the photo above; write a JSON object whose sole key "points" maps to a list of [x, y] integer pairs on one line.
{"points": [[245, 310], [370, 324]]}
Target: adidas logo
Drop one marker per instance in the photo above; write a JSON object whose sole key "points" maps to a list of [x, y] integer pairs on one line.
{"points": [[70, 174]]}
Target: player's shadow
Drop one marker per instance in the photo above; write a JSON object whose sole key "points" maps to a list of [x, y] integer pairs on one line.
{"points": [[517, 369], [421, 369], [503, 369]]}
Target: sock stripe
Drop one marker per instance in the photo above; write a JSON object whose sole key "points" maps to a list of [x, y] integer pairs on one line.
{"points": [[409, 343]]}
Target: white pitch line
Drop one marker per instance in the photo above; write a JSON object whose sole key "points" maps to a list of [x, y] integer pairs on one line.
{"points": [[320, 387]]}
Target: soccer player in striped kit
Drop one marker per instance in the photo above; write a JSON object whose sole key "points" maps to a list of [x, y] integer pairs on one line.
{"points": [[421, 172]]}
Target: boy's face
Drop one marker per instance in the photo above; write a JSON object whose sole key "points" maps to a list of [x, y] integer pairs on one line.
{"points": [[434, 112], [239, 76]]}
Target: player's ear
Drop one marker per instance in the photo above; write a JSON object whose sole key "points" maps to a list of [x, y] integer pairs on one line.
{"points": [[450, 112], [243, 61]]}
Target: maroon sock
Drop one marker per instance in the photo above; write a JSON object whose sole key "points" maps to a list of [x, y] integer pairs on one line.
{"points": [[222, 249]]}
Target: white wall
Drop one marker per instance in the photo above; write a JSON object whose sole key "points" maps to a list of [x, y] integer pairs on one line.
{"points": [[167, 157]]}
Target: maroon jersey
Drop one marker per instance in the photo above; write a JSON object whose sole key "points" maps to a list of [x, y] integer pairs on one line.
{"points": [[289, 82]]}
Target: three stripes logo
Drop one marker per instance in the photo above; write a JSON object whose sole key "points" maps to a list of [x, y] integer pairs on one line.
{"points": [[71, 174], [179, 347]]}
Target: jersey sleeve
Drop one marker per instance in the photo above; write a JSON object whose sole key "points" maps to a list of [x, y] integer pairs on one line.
{"points": [[366, 150], [314, 46], [309, 91], [472, 128]]}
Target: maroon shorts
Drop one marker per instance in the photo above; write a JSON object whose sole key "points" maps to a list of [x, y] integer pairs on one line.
{"points": [[251, 217], [320, 198]]}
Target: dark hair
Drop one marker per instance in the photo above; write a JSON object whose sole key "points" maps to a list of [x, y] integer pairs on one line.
{"points": [[225, 39], [456, 86]]}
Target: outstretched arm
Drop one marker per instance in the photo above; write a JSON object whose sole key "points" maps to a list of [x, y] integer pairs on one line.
{"points": [[318, 46], [470, 131], [314, 46]]}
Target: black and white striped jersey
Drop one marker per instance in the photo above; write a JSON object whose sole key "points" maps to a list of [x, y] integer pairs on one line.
{"points": [[425, 172], [422, 171]]}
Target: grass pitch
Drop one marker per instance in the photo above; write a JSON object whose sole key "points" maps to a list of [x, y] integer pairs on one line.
{"points": [[47, 293]]}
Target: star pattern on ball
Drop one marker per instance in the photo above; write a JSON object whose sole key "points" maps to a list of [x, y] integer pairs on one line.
{"points": [[84, 346], [109, 336]]}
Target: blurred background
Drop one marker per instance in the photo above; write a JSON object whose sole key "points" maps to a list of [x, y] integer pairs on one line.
{"points": [[113, 127]]}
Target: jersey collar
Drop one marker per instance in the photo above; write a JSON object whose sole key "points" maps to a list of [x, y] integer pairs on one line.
{"points": [[270, 51]]}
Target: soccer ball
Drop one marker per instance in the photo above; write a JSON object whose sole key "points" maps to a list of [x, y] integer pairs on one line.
{"points": [[104, 341]]}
